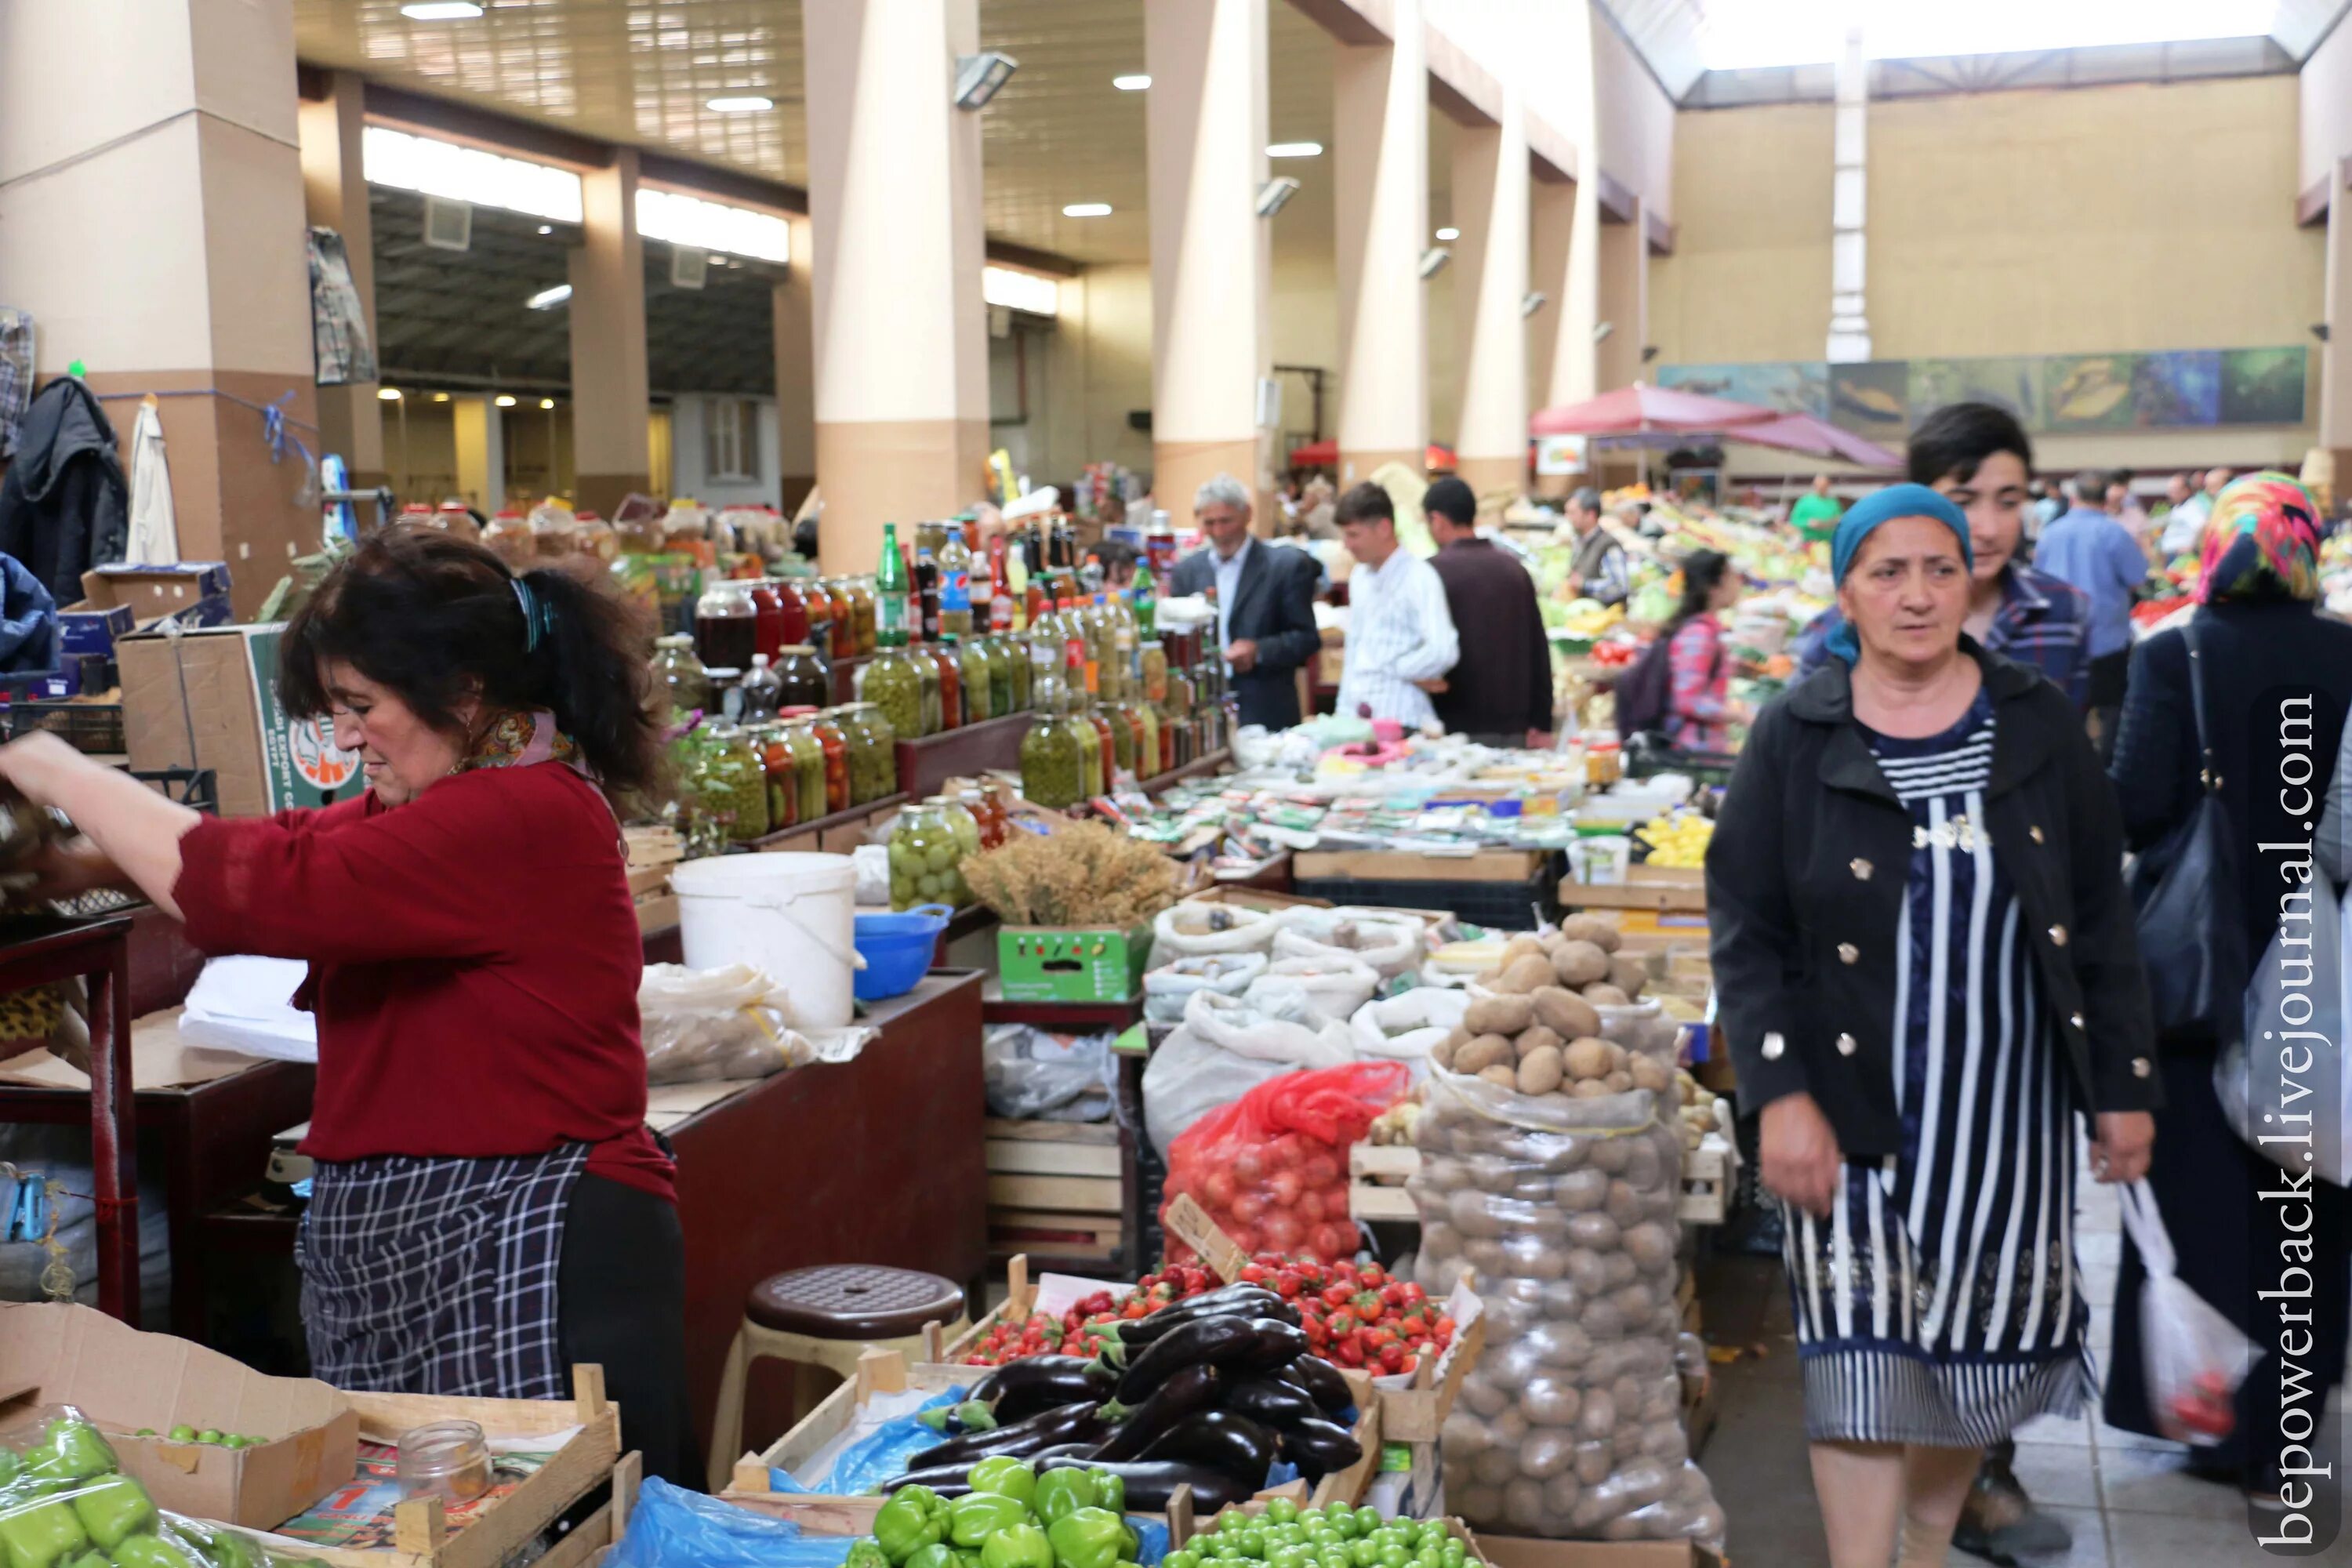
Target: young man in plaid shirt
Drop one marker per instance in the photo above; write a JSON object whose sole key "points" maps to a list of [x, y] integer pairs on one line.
{"points": [[1977, 456]]}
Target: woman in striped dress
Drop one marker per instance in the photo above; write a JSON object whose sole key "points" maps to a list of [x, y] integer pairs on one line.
{"points": [[1927, 971]]}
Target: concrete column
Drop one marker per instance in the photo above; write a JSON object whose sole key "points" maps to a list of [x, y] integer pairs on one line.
{"points": [[1490, 265], [1567, 268], [610, 406], [481, 440], [335, 195], [901, 332], [795, 384], [1624, 302], [1379, 115], [1211, 253], [150, 213]]}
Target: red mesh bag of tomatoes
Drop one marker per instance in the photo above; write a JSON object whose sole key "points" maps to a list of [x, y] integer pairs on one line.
{"points": [[1272, 1168]]}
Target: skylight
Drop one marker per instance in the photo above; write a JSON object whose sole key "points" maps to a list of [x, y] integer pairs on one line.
{"points": [[1738, 35]]}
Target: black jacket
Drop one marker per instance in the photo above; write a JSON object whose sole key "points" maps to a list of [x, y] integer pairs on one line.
{"points": [[1805, 886], [1502, 684], [64, 507], [1276, 608]]}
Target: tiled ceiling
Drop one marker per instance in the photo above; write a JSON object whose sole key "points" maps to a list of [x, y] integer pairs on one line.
{"points": [[641, 71]]}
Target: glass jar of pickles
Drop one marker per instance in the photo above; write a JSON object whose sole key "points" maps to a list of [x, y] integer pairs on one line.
{"points": [[925, 860], [844, 618], [803, 678], [1154, 662], [966, 827], [835, 742], [1090, 740], [783, 783], [892, 683], [733, 784], [1053, 764], [1014, 657], [873, 752], [808, 764], [862, 604], [679, 674], [973, 675], [950, 665]]}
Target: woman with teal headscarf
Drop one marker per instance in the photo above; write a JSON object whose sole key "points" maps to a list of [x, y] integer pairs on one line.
{"points": [[1926, 973], [2277, 680]]}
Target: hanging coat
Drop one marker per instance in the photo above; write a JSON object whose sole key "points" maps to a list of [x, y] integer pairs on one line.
{"points": [[28, 622], [154, 527], [64, 505]]}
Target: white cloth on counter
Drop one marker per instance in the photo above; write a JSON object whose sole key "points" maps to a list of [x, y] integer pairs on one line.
{"points": [[246, 1005]]}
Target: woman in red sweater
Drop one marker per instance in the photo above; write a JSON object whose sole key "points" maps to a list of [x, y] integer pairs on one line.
{"points": [[488, 1206]]}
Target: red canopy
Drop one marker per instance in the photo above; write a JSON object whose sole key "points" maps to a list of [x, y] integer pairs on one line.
{"points": [[1642, 409], [1325, 455], [1803, 433]]}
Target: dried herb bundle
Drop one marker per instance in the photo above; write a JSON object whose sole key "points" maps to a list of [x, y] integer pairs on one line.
{"points": [[1084, 875]]}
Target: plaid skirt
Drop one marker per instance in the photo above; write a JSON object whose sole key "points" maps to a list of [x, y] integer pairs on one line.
{"points": [[437, 1275]]}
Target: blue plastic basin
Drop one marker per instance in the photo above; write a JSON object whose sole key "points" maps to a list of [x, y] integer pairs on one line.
{"points": [[897, 950]]}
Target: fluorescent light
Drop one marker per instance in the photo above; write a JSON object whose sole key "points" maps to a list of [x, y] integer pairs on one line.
{"points": [[982, 77], [504, 400], [547, 403], [1087, 209], [1449, 233], [433, 167], [1296, 150], [1274, 193], [707, 225], [442, 11], [387, 394], [547, 229], [1030, 291], [1434, 260], [739, 104], [1130, 83], [548, 299], [440, 397]]}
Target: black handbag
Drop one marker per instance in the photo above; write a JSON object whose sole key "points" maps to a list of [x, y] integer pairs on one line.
{"points": [[2191, 939]]}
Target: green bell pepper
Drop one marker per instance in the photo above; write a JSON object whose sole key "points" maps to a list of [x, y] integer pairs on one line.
{"points": [[1110, 1490], [974, 1517], [114, 1508], [41, 1534], [1089, 1538], [1018, 1546], [90, 1560], [1012, 1478], [938, 1554], [1061, 1493], [913, 1518], [866, 1554], [11, 1466]]}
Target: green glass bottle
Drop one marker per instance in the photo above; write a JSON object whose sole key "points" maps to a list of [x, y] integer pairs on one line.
{"points": [[891, 609], [1146, 602]]}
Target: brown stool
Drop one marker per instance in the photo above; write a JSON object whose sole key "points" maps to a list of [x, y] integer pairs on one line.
{"points": [[825, 1316]]}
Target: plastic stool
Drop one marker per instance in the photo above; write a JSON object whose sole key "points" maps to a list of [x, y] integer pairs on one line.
{"points": [[825, 1316]]}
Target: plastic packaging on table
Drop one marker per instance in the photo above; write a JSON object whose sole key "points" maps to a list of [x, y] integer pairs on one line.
{"points": [[1403, 1027], [705, 1024], [1390, 946], [2196, 1357], [1192, 930], [1334, 984], [1188, 1078], [1034, 1072], [1272, 1168], [673, 1528], [1284, 1025], [1167, 989], [1570, 1424]]}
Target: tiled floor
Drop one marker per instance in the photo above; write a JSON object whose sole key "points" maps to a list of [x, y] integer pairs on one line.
{"points": [[2124, 1499]]}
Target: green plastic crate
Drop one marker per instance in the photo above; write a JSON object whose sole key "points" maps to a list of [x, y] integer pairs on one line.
{"points": [[1071, 964]]}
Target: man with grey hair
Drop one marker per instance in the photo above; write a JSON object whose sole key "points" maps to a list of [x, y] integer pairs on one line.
{"points": [[1597, 571], [1264, 598]]}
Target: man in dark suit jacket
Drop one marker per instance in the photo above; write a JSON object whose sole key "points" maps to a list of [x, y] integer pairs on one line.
{"points": [[1266, 604]]}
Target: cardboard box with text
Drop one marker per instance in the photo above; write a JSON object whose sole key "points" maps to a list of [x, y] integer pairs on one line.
{"points": [[218, 686]]}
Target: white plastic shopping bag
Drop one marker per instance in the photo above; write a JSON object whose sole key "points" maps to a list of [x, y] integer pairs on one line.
{"points": [[2196, 1357]]}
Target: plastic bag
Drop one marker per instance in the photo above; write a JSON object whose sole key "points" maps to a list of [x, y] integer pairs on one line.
{"points": [[1192, 930], [1388, 946], [1334, 985], [1285, 1026], [1168, 988], [1188, 1078], [1403, 1027], [1037, 1073], [673, 1528], [2312, 967], [705, 1024], [1570, 1424], [2195, 1357], [1272, 1168]]}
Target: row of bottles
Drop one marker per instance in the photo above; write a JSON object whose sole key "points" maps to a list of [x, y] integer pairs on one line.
{"points": [[740, 781]]}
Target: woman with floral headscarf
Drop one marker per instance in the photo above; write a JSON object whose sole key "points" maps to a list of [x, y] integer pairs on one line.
{"points": [[2277, 678]]}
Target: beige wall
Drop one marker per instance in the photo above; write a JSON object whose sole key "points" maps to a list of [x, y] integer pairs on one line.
{"points": [[1637, 120], [1750, 278]]}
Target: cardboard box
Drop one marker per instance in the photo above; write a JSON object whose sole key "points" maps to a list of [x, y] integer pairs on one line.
{"points": [[1070, 963], [1529, 1552], [221, 683], [94, 629], [196, 591], [53, 1353], [1394, 866]]}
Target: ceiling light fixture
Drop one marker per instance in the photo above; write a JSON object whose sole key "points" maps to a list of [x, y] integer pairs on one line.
{"points": [[548, 299], [980, 78], [739, 104], [1087, 209], [440, 397], [1296, 150], [1449, 233], [504, 400], [1130, 83], [387, 394], [1536, 301], [547, 229], [1274, 193], [1434, 260], [547, 403], [442, 11]]}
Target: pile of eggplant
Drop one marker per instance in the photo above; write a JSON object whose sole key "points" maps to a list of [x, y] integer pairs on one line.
{"points": [[1209, 1394]]}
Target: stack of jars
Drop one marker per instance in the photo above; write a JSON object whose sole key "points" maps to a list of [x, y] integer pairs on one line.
{"points": [[928, 848]]}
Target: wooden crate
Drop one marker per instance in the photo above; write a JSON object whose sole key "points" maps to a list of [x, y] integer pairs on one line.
{"points": [[1020, 1296], [1710, 1174], [1676, 889], [1376, 1176], [1056, 1188], [590, 1458], [1013, 1233]]}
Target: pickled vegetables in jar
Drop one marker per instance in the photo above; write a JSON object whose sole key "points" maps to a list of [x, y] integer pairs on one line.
{"points": [[893, 684], [808, 765], [830, 735], [971, 662], [925, 860], [1053, 765]]}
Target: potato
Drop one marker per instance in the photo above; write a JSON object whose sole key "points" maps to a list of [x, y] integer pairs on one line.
{"points": [[1624, 1206], [1596, 1233], [1580, 1191], [1610, 1154], [1600, 994], [1587, 1059], [1525, 974], [1598, 1420], [1546, 1454], [1589, 1089], [1442, 1052], [1535, 1038], [1636, 1301], [1499, 1015], [1520, 947], [1484, 1052], [1564, 1491], [1650, 1074], [1523, 1505], [1580, 963], [1598, 930], [1565, 1013], [1650, 1245], [1643, 1164], [1618, 1082], [1467, 1209], [1593, 1462], [1548, 1401], [1494, 1467], [1539, 1070], [1501, 1077], [1629, 974], [1620, 1269]]}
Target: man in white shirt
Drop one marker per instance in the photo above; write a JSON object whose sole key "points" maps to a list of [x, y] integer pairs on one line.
{"points": [[1400, 637]]}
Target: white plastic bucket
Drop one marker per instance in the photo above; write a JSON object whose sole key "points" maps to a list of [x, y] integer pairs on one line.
{"points": [[793, 916]]}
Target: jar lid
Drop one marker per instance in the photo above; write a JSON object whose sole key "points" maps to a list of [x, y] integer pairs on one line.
{"points": [[800, 711], [796, 647], [723, 672], [674, 642]]}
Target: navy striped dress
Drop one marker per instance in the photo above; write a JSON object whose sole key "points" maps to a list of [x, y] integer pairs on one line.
{"points": [[1937, 1303]]}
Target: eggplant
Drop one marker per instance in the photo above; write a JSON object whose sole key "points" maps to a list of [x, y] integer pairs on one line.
{"points": [[1244, 1345], [1234, 1444], [1151, 1482], [1318, 1448], [1235, 1300], [1019, 1389], [1322, 1380], [938, 1478], [1186, 1390], [1271, 1402], [1064, 1424]]}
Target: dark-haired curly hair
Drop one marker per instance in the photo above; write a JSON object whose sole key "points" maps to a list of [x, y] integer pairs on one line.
{"points": [[437, 620]]}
